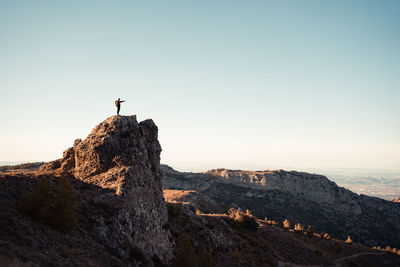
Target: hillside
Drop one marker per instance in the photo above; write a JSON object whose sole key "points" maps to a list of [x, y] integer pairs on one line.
{"points": [[102, 204], [299, 197], [217, 240]]}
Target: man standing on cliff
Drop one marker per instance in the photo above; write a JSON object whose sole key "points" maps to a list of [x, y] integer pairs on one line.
{"points": [[118, 104]]}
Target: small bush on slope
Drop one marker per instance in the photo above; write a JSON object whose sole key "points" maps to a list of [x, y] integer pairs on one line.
{"points": [[65, 204], [286, 224], [206, 258], [56, 209], [245, 220], [186, 254], [298, 228]]}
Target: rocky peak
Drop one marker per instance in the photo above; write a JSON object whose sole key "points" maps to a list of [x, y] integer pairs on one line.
{"points": [[117, 146], [123, 155]]}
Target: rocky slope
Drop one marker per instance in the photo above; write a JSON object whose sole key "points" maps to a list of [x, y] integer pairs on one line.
{"points": [[300, 197], [216, 240], [116, 174]]}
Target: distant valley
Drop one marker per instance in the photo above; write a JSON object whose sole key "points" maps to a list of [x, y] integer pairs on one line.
{"points": [[378, 183]]}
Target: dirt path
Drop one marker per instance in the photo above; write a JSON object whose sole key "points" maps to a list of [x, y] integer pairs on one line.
{"points": [[337, 262]]}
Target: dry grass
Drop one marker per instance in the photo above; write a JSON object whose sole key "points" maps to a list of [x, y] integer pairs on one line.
{"points": [[178, 196]]}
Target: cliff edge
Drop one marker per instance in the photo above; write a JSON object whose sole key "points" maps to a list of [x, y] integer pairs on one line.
{"points": [[123, 155], [121, 213]]}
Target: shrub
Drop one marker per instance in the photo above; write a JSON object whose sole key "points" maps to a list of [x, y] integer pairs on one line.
{"points": [[65, 204], [36, 205], [310, 231], [327, 236], [272, 222], [250, 223], [186, 255], [348, 240], [317, 235], [240, 219], [56, 209], [249, 214], [237, 255], [206, 259], [236, 215], [286, 224], [298, 228]]}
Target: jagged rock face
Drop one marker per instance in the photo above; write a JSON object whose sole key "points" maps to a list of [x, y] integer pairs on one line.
{"points": [[124, 156], [312, 186]]}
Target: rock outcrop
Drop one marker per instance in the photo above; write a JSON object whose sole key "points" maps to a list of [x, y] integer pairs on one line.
{"points": [[312, 187], [123, 156]]}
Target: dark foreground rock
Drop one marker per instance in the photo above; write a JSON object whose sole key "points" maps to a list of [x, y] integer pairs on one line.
{"points": [[122, 215]]}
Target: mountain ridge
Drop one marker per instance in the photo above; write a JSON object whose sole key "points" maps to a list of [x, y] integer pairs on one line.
{"points": [[293, 195]]}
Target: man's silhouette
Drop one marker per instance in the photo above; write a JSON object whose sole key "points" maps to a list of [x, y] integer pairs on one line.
{"points": [[118, 104]]}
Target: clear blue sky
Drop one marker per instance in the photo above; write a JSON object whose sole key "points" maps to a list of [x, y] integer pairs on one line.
{"points": [[236, 84]]}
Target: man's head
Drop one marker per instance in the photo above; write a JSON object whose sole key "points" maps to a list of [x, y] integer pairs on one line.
{"points": [[118, 98]]}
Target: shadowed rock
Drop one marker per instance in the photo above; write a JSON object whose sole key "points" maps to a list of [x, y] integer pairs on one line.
{"points": [[123, 155]]}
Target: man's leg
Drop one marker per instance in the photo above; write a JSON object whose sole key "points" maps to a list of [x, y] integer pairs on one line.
{"points": [[118, 108]]}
